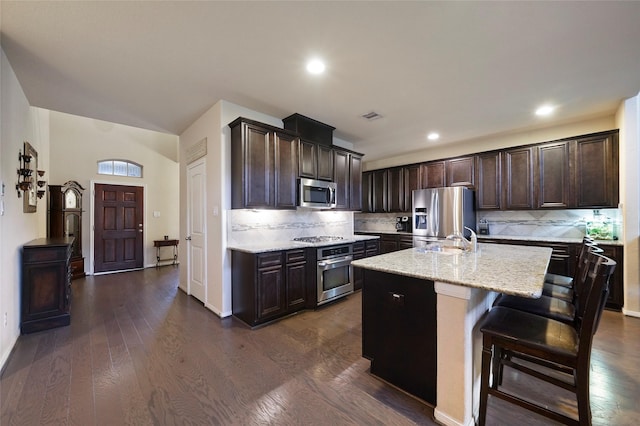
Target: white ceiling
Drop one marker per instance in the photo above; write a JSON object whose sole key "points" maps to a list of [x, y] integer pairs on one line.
{"points": [[463, 69]]}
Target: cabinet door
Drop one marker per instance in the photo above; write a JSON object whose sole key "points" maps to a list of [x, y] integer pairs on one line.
{"points": [[412, 181], [461, 172], [307, 162], [553, 189], [488, 193], [325, 163], [355, 183], [270, 295], [285, 170], [405, 242], [258, 167], [518, 178], [379, 190], [367, 193], [395, 190], [433, 174], [596, 165], [341, 178], [388, 244], [296, 285], [616, 288]]}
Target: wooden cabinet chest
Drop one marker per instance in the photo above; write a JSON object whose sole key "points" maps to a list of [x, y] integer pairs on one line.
{"points": [[46, 284]]}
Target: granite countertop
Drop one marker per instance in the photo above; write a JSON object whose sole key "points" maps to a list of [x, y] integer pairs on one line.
{"points": [[515, 238], [548, 239], [512, 269], [267, 246]]}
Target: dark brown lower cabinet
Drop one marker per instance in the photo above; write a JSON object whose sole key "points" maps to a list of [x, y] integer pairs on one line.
{"points": [[399, 331], [361, 250], [46, 284], [267, 286]]}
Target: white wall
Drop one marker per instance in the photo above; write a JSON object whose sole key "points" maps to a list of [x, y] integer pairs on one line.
{"points": [[496, 142], [213, 125], [78, 143], [628, 120], [19, 122]]}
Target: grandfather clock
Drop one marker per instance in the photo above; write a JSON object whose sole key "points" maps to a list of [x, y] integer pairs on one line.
{"points": [[65, 220]]}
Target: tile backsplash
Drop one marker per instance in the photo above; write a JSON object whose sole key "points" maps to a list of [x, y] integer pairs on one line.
{"points": [[522, 223], [249, 226], [546, 223]]}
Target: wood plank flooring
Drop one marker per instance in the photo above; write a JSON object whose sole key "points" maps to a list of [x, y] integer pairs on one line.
{"points": [[141, 352]]}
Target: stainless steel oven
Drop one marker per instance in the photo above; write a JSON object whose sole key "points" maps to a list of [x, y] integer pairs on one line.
{"points": [[334, 272]]}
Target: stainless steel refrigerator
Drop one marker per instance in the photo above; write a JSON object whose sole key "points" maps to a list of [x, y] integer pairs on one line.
{"points": [[440, 212]]}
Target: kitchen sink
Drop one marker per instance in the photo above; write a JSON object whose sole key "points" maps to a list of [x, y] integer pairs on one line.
{"points": [[440, 249]]}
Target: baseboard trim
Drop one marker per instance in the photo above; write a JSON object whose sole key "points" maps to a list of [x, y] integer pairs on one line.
{"points": [[629, 313], [7, 354], [217, 311]]}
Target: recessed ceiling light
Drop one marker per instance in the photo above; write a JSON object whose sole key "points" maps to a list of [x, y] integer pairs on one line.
{"points": [[545, 110], [315, 66], [433, 136]]}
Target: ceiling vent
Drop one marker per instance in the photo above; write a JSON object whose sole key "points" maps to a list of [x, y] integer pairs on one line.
{"points": [[370, 116]]}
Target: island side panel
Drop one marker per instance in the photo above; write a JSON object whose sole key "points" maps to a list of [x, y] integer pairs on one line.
{"points": [[399, 331], [459, 350]]}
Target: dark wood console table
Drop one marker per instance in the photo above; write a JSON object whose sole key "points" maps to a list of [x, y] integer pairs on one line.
{"points": [[158, 244]]}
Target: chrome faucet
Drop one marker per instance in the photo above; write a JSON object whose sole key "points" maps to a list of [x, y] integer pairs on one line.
{"points": [[467, 245]]}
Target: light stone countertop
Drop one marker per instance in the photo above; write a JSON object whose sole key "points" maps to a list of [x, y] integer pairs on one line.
{"points": [[536, 238], [268, 246], [509, 269]]}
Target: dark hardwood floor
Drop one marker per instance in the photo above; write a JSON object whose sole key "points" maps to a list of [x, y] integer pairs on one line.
{"points": [[139, 351]]}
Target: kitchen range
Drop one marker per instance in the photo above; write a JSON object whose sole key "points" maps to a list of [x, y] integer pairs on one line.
{"points": [[334, 273]]}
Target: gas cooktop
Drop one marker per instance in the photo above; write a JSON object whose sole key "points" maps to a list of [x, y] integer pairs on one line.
{"points": [[317, 239]]}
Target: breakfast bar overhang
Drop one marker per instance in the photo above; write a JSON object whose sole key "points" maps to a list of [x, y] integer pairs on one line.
{"points": [[465, 285]]}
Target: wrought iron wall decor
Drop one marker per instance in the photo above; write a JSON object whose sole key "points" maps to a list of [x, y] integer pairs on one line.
{"points": [[29, 178]]}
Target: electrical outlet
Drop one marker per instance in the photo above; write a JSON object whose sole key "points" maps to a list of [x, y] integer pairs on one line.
{"points": [[6, 322]]}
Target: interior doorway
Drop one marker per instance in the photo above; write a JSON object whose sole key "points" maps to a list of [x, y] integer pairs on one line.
{"points": [[196, 230], [118, 228]]}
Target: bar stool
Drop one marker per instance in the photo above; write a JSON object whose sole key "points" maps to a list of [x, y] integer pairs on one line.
{"points": [[561, 286], [551, 307], [510, 336]]}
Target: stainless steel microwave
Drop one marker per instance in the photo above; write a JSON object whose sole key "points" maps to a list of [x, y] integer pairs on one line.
{"points": [[317, 194]]}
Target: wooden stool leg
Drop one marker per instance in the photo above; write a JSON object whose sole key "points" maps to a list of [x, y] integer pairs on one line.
{"points": [[582, 395], [486, 376]]}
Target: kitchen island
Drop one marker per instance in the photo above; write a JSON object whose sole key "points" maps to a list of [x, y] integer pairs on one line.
{"points": [[425, 305]]}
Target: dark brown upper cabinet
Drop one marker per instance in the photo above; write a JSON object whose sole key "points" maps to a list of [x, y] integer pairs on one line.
{"points": [[355, 181], [412, 180], [488, 182], [553, 189], [325, 162], [341, 178], [395, 190], [367, 192], [348, 179], [308, 161], [461, 172], [517, 178], [264, 166], [379, 191], [596, 170], [433, 174], [315, 161]]}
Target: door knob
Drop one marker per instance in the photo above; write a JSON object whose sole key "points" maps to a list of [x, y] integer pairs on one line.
{"points": [[188, 238]]}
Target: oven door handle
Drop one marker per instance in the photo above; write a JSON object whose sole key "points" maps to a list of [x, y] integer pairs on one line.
{"points": [[335, 263]]}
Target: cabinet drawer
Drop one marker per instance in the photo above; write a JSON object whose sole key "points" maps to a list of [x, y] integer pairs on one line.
{"points": [[45, 255], [269, 259], [358, 247], [295, 256]]}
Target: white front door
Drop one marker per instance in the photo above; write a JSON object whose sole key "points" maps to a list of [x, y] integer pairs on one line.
{"points": [[197, 230]]}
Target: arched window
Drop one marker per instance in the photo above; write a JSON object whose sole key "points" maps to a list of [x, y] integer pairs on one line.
{"points": [[119, 168]]}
